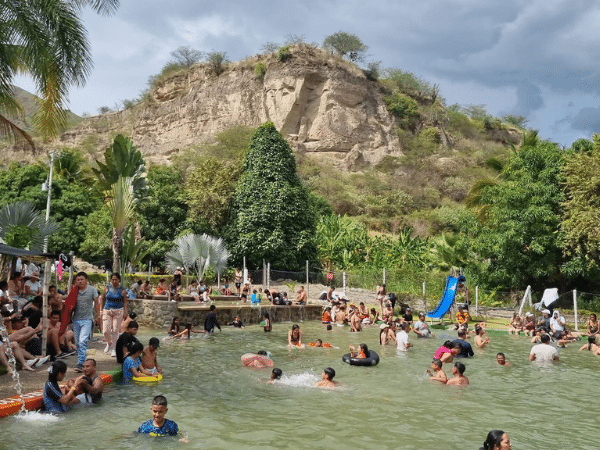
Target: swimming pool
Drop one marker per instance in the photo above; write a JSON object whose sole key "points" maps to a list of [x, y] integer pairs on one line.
{"points": [[221, 405]]}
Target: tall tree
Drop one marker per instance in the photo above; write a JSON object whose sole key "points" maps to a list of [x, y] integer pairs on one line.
{"points": [[45, 39], [345, 44], [271, 217], [122, 179], [519, 239]]}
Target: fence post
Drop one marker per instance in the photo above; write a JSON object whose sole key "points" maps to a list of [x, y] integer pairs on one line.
{"points": [[344, 282], [269, 275], [476, 300], [575, 309], [149, 270], [307, 283], [264, 274], [384, 275], [244, 272], [424, 291]]}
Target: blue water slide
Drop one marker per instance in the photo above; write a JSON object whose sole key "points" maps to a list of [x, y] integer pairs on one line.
{"points": [[448, 297]]}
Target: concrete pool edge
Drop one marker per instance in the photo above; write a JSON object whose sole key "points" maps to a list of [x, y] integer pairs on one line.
{"points": [[35, 400]]}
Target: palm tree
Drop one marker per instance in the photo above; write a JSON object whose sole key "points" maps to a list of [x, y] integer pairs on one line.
{"points": [[22, 226], [46, 40], [122, 178], [198, 252]]}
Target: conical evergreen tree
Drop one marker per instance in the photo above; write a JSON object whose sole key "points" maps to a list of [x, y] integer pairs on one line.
{"points": [[271, 217]]}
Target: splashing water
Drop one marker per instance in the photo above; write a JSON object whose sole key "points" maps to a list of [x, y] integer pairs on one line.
{"points": [[13, 366], [38, 417], [305, 379]]}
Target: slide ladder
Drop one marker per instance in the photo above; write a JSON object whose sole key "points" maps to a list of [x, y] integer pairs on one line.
{"points": [[448, 297]]}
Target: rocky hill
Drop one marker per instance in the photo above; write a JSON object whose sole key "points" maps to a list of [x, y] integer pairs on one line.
{"points": [[323, 106]]}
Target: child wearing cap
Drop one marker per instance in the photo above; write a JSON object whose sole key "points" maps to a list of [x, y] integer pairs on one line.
{"points": [[149, 361]]}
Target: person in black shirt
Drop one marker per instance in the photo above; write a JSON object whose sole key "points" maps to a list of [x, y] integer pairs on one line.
{"points": [[465, 348], [125, 340], [210, 321], [407, 317]]}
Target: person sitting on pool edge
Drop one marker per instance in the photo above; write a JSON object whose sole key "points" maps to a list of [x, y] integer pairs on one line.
{"points": [[462, 318], [132, 366], [363, 352], [327, 381], [439, 374], [458, 371], [159, 425]]}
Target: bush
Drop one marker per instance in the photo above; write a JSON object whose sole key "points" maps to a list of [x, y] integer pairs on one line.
{"points": [[260, 69], [284, 53], [430, 135], [216, 62], [373, 70], [405, 109]]}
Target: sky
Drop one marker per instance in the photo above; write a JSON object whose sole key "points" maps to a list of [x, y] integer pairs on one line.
{"points": [[537, 59]]}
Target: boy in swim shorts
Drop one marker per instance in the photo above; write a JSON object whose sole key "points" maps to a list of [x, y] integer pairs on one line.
{"points": [[149, 361]]}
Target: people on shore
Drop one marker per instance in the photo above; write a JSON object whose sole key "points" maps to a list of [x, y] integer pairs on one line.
{"points": [[515, 325], [113, 303], [592, 326], [83, 316]]}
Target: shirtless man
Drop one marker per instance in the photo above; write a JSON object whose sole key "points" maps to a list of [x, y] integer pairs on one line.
{"points": [[438, 374], [458, 379], [327, 379], [340, 317], [481, 339], [149, 361], [59, 346], [55, 300], [355, 322], [301, 297], [380, 295], [238, 280], [388, 313]]}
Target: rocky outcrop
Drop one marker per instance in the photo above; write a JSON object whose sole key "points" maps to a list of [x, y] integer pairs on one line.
{"points": [[323, 106]]}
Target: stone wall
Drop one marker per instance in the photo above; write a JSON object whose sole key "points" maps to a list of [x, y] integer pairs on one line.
{"points": [[160, 313]]}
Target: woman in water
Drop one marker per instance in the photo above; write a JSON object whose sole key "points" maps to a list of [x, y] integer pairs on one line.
{"points": [[175, 328], [362, 352], [497, 440], [267, 321], [593, 327], [590, 346], [57, 398], [295, 336], [481, 339]]}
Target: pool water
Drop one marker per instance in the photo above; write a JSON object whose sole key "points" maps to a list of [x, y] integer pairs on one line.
{"points": [[220, 405]]}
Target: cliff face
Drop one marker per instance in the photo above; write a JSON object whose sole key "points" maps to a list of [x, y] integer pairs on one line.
{"points": [[324, 108]]}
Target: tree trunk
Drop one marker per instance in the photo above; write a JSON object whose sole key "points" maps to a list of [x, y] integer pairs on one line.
{"points": [[117, 244]]}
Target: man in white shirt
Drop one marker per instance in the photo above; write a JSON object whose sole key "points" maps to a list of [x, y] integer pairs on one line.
{"points": [[402, 337], [544, 351]]}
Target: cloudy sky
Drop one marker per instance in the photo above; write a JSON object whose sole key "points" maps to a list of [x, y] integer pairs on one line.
{"points": [[536, 58]]}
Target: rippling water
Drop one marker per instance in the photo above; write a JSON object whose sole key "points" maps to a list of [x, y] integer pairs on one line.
{"points": [[220, 405]]}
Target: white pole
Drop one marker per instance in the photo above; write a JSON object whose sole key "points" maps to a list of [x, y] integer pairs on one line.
{"points": [[575, 309], [269, 275], [424, 291], [344, 282], [219, 280], [47, 276], [244, 271], [476, 300], [264, 274], [149, 270], [384, 275]]}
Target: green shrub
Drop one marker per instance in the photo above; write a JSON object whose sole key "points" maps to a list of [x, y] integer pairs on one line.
{"points": [[260, 69], [284, 53], [431, 135], [405, 109]]}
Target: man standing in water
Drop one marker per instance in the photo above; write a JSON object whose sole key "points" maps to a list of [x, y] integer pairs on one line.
{"points": [[210, 321], [543, 351], [83, 316], [458, 371]]}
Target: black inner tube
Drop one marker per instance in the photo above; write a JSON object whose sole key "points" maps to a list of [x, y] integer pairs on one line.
{"points": [[371, 360]]}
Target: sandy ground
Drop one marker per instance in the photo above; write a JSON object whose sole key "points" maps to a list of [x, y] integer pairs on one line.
{"points": [[32, 381]]}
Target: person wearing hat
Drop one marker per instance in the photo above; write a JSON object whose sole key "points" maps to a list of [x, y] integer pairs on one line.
{"points": [[149, 361], [407, 316], [529, 324], [544, 322], [386, 334], [33, 287]]}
